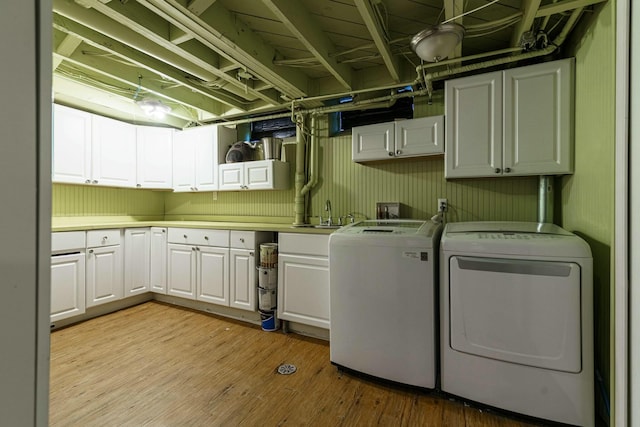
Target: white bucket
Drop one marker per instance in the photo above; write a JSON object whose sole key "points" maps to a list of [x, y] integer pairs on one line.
{"points": [[267, 299], [268, 277], [269, 255]]}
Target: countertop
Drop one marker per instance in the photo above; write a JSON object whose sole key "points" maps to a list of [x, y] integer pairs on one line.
{"points": [[69, 224]]}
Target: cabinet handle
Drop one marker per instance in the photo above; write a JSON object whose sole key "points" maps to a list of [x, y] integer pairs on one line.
{"points": [[95, 181], [390, 153], [250, 253], [138, 185], [242, 239], [398, 152], [184, 235], [164, 231], [193, 248], [195, 188], [88, 181], [206, 237], [90, 251], [497, 170], [507, 170], [197, 248]]}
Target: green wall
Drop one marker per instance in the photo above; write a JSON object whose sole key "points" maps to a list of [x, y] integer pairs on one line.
{"points": [[588, 195], [84, 200]]}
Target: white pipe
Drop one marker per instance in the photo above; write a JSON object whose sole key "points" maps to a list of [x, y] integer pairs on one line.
{"points": [[508, 59], [299, 174], [313, 159]]}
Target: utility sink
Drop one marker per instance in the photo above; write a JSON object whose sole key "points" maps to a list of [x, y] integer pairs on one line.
{"points": [[332, 227]]}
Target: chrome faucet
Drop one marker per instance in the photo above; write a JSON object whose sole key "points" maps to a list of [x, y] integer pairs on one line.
{"points": [[327, 208]]}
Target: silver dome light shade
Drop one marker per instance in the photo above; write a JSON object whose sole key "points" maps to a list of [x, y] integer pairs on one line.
{"points": [[435, 43]]}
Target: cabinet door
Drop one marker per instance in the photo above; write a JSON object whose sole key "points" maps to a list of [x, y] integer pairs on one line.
{"points": [[213, 275], [258, 175], [538, 119], [104, 275], [242, 266], [473, 108], [181, 271], [67, 286], [113, 152], [206, 153], [158, 260], [373, 142], [153, 159], [183, 162], [71, 145], [303, 289], [419, 137], [231, 176], [137, 246]]}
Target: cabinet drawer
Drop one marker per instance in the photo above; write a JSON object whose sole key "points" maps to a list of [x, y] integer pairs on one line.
{"points": [[309, 244], [67, 240], [97, 238], [203, 237], [243, 239]]}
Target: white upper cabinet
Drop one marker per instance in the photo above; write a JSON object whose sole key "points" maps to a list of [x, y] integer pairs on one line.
{"points": [[71, 145], [538, 118], [404, 138], [113, 149], [196, 155], [256, 175], [154, 151], [515, 122]]}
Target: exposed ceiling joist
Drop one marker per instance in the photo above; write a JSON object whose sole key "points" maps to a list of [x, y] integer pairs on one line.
{"points": [[380, 38], [298, 20], [66, 48], [124, 52], [453, 8], [194, 59], [529, 9], [564, 6], [232, 39], [196, 7]]}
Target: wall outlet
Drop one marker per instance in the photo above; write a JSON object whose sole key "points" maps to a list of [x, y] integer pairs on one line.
{"points": [[442, 205]]}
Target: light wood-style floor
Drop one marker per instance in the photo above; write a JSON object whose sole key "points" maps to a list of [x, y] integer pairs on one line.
{"points": [[159, 365]]}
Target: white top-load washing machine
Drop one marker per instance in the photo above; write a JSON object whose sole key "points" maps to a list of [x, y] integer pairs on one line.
{"points": [[517, 319], [382, 285]]}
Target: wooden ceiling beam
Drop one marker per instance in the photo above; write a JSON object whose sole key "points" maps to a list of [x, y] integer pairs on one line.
{"points": [[380, 38], [453, 8], [298, 20], [66, 48], [132, 25], [529, 10], [564, 6], [197, 7], [218, 29]]}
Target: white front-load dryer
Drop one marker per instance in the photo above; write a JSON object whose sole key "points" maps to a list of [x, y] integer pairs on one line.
{"points": [[517, 319]]}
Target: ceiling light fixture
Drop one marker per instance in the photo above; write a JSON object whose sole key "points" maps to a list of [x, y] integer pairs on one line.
{"points": [[154, 108], [436, 43]]}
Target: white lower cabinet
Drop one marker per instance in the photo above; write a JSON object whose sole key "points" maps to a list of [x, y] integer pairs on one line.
{"points": [[198, 264], [243, 260], [104, 277], [137, 265], [158, 260], [67, 285], [181, 271], [303, 279], [212, 277]]}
